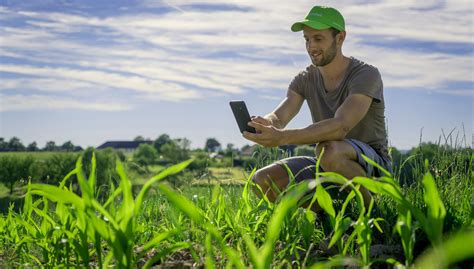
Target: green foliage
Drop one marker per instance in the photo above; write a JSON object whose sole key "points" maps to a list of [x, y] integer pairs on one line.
{"points": [[445, 162], [228, 226], [145, 155], [78, 222], [304, 150], [212, 145], [32, 147], [13, 169], [50, 146], [202, 161], [160, 141], [15, 144], [175, 151]]}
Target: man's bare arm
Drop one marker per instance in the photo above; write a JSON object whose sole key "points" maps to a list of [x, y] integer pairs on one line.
{"points": [[286, 110], [346, 117]]}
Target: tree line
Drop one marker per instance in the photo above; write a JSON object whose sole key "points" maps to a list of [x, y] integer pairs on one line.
{"points": [[15, 144]]}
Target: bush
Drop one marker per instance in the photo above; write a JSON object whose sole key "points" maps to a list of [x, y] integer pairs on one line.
{"points": [[145, 155], [201, 162], [304, 151], [105, 172], [13, 169]]}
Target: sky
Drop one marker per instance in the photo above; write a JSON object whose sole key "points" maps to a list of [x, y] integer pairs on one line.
{"points": [[92, 71]]}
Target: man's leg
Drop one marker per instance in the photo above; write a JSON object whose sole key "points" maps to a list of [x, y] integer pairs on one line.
{"points": [[275, 176], [271, 177], [341, 157]]}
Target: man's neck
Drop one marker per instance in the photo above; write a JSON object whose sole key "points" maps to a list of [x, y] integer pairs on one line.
{"points": [[336, 68]]}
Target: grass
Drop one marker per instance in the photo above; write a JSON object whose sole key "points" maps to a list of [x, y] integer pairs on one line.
{"points": [[225, 225], [36, 154]]}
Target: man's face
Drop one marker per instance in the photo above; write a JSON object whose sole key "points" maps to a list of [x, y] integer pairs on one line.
{"points": [[321, 45]]}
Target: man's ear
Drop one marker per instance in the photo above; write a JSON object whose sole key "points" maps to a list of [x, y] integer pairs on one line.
{"points": [[340, 38]]}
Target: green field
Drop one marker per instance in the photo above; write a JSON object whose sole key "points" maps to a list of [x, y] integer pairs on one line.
{"points": [[35, 154], [217, 222]]}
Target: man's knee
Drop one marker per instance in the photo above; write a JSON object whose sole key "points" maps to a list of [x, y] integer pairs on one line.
{"points": [[261, 178], [327, 150], [332, 155], [269, 176]]}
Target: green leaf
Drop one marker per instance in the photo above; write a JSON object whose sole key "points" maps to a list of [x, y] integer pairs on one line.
{"points": [[371, 162], [92, 175], [105, 213], [340, 229], [436, 210], [182, 203], [458, 247], [56, 194], [325, 201], [167, 172], [164, 252], [376, 186], [157, 239], [275, 224], [246, 193], [63, 182], [28, 203], [252, 251], [338, 262], [100, 227], [127, 208], [407, 234], [81, 178]]}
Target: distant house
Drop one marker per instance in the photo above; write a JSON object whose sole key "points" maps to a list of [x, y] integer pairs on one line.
{"points": [[123, 145]]}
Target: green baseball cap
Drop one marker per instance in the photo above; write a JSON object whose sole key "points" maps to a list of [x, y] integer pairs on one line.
{"points": [[321, 18]]}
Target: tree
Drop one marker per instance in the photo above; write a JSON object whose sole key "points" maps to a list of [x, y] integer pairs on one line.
{"points": [[160, 141], [14, 168], [427, 150], [3, 144], [50, 146], [145, 155], [32, 147], [176, 150], [212, 145], [183, 143], [68, 146], [139, 138], [230, 150], [15, 144]]}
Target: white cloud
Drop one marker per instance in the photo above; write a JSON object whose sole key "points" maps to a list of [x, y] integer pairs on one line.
{"points": [[41, 102], [169, 56]]}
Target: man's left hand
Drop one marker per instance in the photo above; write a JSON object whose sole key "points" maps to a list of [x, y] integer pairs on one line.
{"points": [[267, 136]]}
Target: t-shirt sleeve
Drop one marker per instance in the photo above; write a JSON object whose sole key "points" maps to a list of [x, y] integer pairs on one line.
{"points": [[368, 81], [299, 84]]}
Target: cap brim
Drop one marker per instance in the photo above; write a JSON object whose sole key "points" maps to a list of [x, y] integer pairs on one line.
{"points": [[298, 26]]}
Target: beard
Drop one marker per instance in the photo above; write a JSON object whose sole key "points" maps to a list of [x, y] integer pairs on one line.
{"points": [[327, 56]]}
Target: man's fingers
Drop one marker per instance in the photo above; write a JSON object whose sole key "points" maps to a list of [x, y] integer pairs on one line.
{"points": [[258, 126], [260, 120], [250, 136]]}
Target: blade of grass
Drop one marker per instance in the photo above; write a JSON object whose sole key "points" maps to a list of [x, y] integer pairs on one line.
{"points": [[167, 172]]}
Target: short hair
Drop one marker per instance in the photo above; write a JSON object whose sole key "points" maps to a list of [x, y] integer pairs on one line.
{"points": [[334, 31]]}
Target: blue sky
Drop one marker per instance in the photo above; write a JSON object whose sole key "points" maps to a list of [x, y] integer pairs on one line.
{"points": [[92, 71]]}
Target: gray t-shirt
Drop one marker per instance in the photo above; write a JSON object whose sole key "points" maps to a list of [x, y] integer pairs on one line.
{"points": [[360, 78]]}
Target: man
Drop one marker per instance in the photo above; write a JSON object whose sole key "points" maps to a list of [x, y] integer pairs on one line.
{"points": [[346, 102]]}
